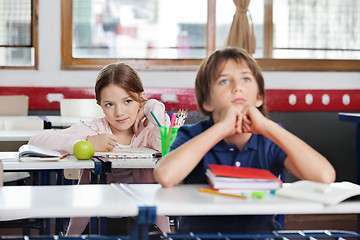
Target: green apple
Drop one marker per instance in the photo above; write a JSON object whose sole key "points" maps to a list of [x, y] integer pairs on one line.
{"points": [[83, 150]]}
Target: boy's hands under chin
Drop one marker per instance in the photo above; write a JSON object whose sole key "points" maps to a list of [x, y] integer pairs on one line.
{"points": [[231, 119], [141, 115], [253, 121], [247, 119]]}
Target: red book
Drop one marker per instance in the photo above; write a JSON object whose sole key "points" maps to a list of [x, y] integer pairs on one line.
{"points": [[231, 177]]}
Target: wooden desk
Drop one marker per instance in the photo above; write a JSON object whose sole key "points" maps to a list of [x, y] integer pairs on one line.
{"points": [[355, 118]]}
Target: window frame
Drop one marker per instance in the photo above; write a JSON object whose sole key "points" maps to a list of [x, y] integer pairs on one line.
{"points": [[267, 63], [34, 38]]}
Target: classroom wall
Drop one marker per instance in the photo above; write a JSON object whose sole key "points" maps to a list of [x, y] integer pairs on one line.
{"points": [[336, 139]]}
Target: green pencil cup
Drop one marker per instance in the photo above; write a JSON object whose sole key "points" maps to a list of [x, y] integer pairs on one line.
{"points": [[168, 135]]}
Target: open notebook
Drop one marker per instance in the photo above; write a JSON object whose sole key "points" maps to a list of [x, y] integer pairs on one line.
{"points": [[34, 153], [329, 194]]}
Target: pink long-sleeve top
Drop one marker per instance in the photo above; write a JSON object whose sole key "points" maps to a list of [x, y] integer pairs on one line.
{"points": [[149, 136]]}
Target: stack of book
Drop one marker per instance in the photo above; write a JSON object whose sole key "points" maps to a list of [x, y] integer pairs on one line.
{"points": [[222, 177]]}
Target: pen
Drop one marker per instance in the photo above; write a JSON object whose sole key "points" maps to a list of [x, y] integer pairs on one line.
{"points": [[220, 193], [83, 122], [97, 132], [157, 121]]}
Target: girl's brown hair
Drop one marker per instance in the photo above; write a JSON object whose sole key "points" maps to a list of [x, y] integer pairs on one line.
{"points": [[121, 75], [212, 66]]}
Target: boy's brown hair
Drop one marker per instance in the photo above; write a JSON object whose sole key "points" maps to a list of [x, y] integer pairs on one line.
{"points": [[211, 68], [121, 75]]}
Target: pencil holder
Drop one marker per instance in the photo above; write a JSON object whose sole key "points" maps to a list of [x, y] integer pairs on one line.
{"points": [[168, 135]]}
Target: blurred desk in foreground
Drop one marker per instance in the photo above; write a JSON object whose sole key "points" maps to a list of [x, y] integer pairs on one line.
{"points": [[18, 202], [145, 201]]}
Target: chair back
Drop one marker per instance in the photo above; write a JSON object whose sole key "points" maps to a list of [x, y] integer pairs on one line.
{"points": [[16, 105], [87, 108]]}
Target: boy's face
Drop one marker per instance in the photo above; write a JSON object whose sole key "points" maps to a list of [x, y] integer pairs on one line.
{"points": [[119, 108], [235, 85]]}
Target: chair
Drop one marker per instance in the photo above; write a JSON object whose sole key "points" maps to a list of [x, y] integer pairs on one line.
{"points": [[16, 105], [81, 108], [19, 124]]}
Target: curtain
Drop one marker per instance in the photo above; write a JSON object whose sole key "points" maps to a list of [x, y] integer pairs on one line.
{"points": [[242, 31]]}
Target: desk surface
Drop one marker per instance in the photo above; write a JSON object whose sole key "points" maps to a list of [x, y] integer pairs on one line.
{"points": [[67, 163], [187, 200], [56, 121], [65, 201], [18, 135], [59, 121]]}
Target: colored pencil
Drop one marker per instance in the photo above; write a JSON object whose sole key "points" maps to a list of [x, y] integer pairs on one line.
{"points": [[157, 121], [220, 193], [173, 118]]}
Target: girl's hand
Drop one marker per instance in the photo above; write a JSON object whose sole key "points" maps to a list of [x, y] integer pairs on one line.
{"points": [[253, 121], [103, 142], [141, 115]]}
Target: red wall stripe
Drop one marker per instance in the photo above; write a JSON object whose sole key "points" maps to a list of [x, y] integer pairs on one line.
{"points": [[40, 98]]}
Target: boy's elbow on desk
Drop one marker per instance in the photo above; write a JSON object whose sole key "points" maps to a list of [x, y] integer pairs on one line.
{"points": [[163, 177], [328, 176]]}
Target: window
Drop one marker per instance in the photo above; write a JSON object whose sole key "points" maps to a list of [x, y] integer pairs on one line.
{"points": [[177, 34], [18, 34], [321, 29]]}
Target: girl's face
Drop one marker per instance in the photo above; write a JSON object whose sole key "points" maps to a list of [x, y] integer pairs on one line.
{"points": [[119, 108], [235, 85]]}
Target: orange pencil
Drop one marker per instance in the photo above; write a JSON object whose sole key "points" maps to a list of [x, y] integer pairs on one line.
{"points": [[220, 193]]}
